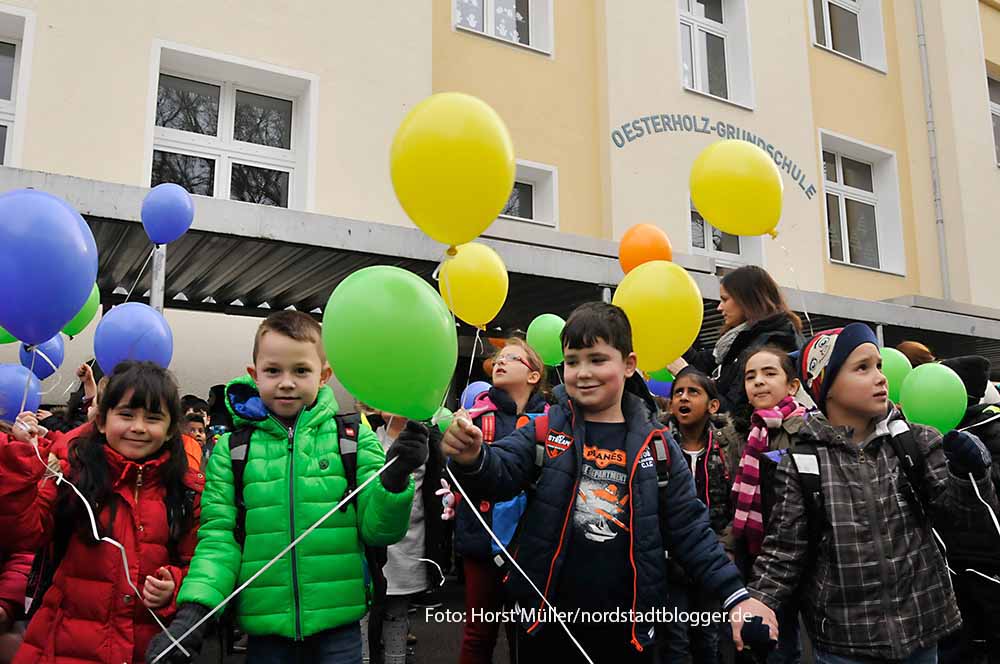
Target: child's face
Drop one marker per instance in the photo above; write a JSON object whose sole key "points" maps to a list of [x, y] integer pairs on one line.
{"points": [[511, 369], [196, 430], [766, 382], [860, 388], [288, 373], [689, 403], [135, 433], [595, 376]]}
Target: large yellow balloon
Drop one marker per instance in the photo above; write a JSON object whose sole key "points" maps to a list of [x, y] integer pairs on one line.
{"points": [[452, 165], [474, 283], [737, 188], [664, 306]]}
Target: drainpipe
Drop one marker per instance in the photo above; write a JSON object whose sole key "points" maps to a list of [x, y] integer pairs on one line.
{"points": [[932, 140]]}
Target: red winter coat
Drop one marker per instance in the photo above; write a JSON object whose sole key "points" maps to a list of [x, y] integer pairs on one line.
{"points": [[90, 614], [14, 571]]}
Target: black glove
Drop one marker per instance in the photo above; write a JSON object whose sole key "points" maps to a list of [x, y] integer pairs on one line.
{"points": [[411, 448], [966, 454], [757, 636], [187, 616]]}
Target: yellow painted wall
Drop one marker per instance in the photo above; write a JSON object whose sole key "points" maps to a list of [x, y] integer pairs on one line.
{"points": [[550, 103]]}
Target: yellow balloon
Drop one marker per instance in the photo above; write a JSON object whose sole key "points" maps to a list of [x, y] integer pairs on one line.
{"points": [[664, 306], [474, 283], [737, 188], [452, 166]]}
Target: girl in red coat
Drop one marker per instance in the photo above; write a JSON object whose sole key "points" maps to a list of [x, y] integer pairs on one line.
{"points": [[134, 473]]}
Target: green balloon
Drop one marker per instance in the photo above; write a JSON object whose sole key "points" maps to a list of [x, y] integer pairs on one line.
{"points": [[934, 395], [662, 375], [896, 368], [6, 337], [444, 418], [544, 335], [86, 314], [391, 341]]}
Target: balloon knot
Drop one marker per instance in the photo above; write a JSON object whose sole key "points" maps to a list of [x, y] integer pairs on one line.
{"points": [[773, 233], [452, 251]]}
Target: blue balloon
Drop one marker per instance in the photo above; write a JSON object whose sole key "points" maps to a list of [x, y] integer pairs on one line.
{"points": [[132, 331], [52, 349], [660, 388], [470, 393], [48, 264], [13, 378], [167, 212]]}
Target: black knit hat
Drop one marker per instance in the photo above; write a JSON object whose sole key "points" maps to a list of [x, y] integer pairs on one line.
{"points": [[974, 370]]}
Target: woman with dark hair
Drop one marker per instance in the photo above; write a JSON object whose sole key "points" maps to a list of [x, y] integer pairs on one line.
{"points": [[754, 313]]}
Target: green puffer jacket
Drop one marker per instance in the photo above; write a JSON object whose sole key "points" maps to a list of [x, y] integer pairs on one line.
{"points": [[292, 478]]}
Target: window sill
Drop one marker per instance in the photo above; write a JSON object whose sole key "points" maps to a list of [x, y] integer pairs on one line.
{"points": [[868, 269], [526, 47], [536, 222], [722, 99], [881, 70]]}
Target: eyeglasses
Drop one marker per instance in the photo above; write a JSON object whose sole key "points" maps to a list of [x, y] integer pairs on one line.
{"points": [[514, 358]]}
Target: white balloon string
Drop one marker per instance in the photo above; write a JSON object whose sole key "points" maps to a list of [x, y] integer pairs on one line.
{"points": [[27, 384], [439, 570], [139, 276], [993, 515], [472, 358], [273, 560], [513, 562], [798, 286], [55, 371], [73, 382]]}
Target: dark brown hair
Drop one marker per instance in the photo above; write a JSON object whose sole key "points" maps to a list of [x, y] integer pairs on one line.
{"points": [[592, 322], [785, 360], [916, 352], [758, 295], [294, 325]]}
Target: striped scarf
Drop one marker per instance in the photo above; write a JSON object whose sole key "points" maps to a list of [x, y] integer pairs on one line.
{"points": [[748, 522]]}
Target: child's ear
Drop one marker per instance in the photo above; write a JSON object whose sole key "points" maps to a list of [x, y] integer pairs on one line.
{"points": [[630, 364], [713, 406], [325, 374], [534, 377], [99, 423], [793, 387], [252, 371]]}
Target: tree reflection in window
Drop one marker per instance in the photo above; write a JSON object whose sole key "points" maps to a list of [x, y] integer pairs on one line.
{"points": [[263, 186], [187, 105], [195, 174], [521, 203], [263, 120]]}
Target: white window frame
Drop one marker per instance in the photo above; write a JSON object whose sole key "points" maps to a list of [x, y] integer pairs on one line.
{"points": [[231, 74], [541, 21], [751, 248], [17, 27], [544, 181], [885, 199], [871, 33], [735, 33], [994, 111]]}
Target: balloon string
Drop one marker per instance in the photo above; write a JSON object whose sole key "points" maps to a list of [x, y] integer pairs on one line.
{"points": [[472, 357], [27, 383], [73, 382], [55, 370], [273, 560], [798, 287], [558, 375], [139, 276]]}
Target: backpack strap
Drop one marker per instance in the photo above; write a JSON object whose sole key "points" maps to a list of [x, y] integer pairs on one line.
{"points": [[239, 453], [348, 430], [661, 455], [805, 458], [488, 425], [913, 462], [541, 435]]}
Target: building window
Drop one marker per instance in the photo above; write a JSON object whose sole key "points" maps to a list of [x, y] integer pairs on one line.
{"points": [[715, 56], [862, 206], [534, 196], [728, 250], [231, 130], [852, 28], [16, 37], [995, 114], [524, 22]]}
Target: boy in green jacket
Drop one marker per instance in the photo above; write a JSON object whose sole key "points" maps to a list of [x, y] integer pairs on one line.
{"points": [[307, 606]]}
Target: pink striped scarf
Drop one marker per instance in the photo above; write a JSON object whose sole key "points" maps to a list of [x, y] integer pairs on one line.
{"points": [[748, 522]]}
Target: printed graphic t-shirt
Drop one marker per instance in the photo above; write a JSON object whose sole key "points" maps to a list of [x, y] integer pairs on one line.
{"points": [[596, 573]]}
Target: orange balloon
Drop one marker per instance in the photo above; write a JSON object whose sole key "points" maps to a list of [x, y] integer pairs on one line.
{"points": [[643, 243]]}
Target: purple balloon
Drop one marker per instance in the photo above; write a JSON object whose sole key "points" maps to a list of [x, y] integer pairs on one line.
{"points": [[133, 331], [660, 388], [470, 393], [48, 264], [54, 349], [13, 378], [167, 212]]}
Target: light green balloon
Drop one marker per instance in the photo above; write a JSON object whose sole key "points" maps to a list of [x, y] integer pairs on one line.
{"points": [[6, 337], [662, 375], [934, 395], [391, 341], [86, 314], [544, 335], [896, 368], [444, 418]]}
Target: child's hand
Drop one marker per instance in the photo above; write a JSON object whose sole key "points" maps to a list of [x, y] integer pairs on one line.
{"points": [[86, 375], [26, 428], [463, 440], [158, 590]]}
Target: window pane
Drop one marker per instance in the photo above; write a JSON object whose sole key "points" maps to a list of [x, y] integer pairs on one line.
{"points": [[710, 9], [862, 239], [829, 166], [820, 22], [187, 105], [510, 20], [3, 145], [994, 90], [730, 244], [259, 185], [6, 70], [686, 55], [263, 120], [996, 135], [521, 202], [844, 30], [857, 174], [196, 174], [833, 227], [697, 230], [715, 51], [469, 14]]}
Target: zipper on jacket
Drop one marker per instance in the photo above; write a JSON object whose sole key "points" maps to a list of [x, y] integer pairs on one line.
{"points": [[291, 528], [631, 531], [138, 484]]}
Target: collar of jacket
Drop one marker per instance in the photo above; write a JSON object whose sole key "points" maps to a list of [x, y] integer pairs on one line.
{"points": [[243, 391], [638, 418], [819, 429], [125, 470]]}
